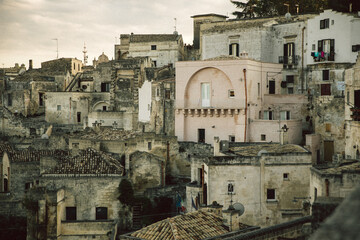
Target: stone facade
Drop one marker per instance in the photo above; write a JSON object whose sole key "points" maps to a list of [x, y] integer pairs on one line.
{"points": [[241, 101], [163, 49], [279, 176], [72, 65]]}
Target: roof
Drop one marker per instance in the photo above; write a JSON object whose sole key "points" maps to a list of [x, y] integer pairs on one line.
{"points": [[194, 225], [338, 170], [209, 15], [153, 37], [249, 149], [29, 155], [39, 75], [88, 161], [105, 134]]}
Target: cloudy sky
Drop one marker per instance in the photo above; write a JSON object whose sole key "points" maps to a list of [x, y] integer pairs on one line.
{"points": [[28, 27]]}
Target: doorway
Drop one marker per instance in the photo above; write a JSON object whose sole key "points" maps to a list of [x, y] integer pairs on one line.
{"points": [[201, 135], [328, 151]]}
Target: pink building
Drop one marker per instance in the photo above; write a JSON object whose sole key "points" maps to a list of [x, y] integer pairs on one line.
{"points": [[233, 98]]}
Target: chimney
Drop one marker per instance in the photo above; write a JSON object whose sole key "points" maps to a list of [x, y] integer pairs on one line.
{"points": [[216, 146], [231, 218], [30, 64], [213, 208]]}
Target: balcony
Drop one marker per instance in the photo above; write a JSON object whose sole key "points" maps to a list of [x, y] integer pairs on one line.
{"points": [[289, 60], [323, 56], [355, 114]]}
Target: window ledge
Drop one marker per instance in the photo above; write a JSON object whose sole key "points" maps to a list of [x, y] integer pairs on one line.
{"points": [[272, 201]]}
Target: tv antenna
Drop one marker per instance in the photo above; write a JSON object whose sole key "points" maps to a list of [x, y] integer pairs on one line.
{"points": [[175, 32], [57, 47], [85, 56]]}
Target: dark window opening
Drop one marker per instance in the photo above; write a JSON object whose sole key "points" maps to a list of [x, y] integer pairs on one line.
{"points": [[230, 188], [315, 194], [101, 213], [41, 99], [324, 23], [153, 47], [201, 135], [201, 177], [149, 146], [154, 63], [326, 75], [6, 185], [327, 183], [70, 213], [104, 108], [325, 89], [105, 87], [28, 186], [290, 90], [263, 137], [232, 138], [9, 100], [271, 87], [286, 176], [270, 194], [78, 115], [290, 79]]}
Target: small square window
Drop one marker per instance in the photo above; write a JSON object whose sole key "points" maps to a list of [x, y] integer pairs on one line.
{"points": [[270, 194], [101, 213], [104, 108], [231, 93], [286, 176], [263, 137], [71, 213], [59, 107], [290, 90], [231, 138], [153, 47]]}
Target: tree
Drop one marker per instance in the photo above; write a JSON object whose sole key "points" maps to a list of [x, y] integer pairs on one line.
{"points": [[126, 192]]}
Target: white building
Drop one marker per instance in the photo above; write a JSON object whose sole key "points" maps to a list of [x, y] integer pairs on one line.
{"points": [[163, 49]]}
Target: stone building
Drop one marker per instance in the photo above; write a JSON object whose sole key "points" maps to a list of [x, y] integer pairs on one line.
{"points": [[336, 181], [237, 99], [72, 65], [163, 49], [76, 197], [270, 180], [331, 49], [277, 40], [352, 111]]}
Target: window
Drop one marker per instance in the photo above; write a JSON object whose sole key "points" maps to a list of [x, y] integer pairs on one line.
{"points": [[157, 92], [315, 194], [154, 63], [347, 97], [284, 115], [41, 99], [74, 66], [167, 93], [70, 213], [290, 90], [104, 108], [325, 75], [328, 47], [153, 47], [286, 176], [78, 115], [324, 23], [101, 213], [149, 146], [263, 137], [231, 93], [28, 186], [289, 53], [268, 115], [270, 194], [59, 107], [258, 89], [201, 135], [234, 49], [205, 94], [313, 47], [271, 87], [231, 138], [105, 87], [325, 89], [327, 127], [290, 79], [230, 188], [332, 22], [9, 100]]}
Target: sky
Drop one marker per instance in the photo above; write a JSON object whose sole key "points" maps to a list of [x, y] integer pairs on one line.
{"points": [[28, 27]]}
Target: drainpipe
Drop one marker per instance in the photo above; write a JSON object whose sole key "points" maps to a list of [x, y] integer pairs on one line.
{"points": [[302, 60], [244, 70]]}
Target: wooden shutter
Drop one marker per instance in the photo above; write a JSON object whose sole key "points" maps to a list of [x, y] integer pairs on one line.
{"points": [[325, 89], [320, 46]]}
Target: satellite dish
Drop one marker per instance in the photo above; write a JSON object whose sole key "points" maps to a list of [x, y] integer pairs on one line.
{"points": [[240, 207], [261, 152]]}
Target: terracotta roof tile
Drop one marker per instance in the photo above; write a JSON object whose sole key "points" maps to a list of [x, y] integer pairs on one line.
{"points": [[89, 161], [153, 37], [254, 149], [195, 225]]}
